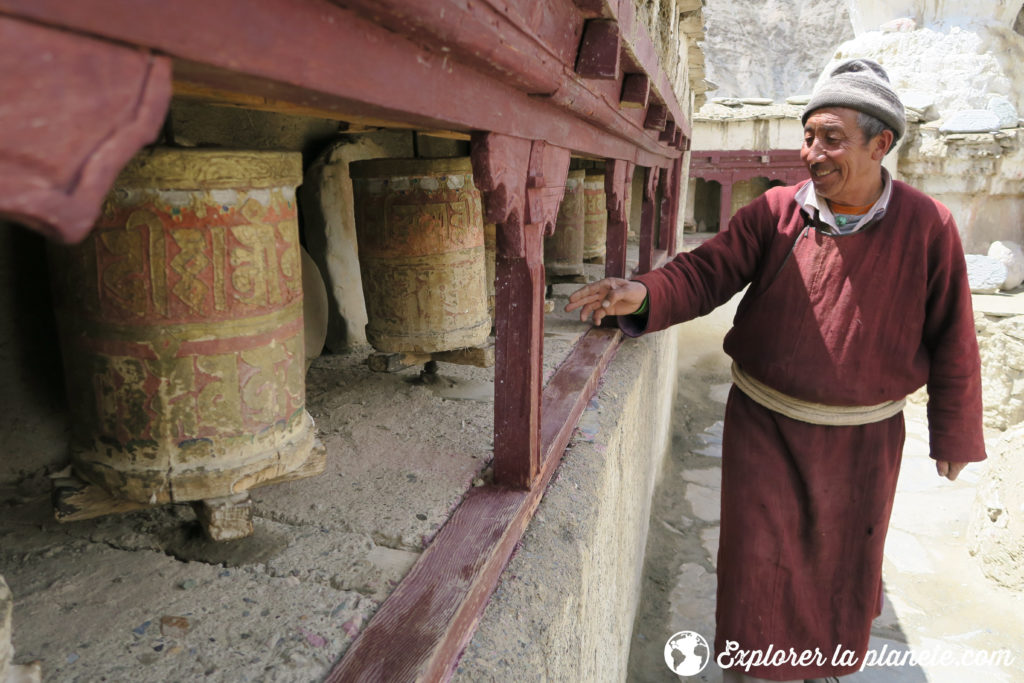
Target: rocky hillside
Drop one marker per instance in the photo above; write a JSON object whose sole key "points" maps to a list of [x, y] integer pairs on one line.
{"points": [[771, 48]]}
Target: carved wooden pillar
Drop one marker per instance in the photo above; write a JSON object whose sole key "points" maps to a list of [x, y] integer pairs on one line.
{"points": [[648, 219], [725, 208], [75, 110], [618, 179], [522, 184]]}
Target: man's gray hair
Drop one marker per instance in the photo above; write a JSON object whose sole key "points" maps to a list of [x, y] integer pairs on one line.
{"points": [[871, 126]]}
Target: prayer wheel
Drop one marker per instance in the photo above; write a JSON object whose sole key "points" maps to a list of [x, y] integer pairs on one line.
{"points": [[563, 251], [595, 222], [182, 330], [419, 226]]}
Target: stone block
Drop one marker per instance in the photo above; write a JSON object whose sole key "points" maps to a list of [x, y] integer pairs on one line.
{"points": [[1005, 111], [986, 275], [1010, 255], [997, 528], [971, 121]]}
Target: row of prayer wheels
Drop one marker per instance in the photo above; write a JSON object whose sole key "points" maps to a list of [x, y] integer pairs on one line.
{"points": [[427, 258], [582, 227], [181, 315]]}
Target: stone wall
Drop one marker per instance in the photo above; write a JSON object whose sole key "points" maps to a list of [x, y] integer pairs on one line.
{"points": [[979, 176], [996, 529], [565, 605], [997, 521], [676, 27], [1001, 342], [771, 49]]}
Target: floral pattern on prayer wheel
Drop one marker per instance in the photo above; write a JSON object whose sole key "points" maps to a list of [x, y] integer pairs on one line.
{"points": [[419, 225], [595, 222], [181, 326], [563, 251]]}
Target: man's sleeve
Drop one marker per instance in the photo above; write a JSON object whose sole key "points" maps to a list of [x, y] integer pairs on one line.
{"points": [[954, 378], [695, 283]]}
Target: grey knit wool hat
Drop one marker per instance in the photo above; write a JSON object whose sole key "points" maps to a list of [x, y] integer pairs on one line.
{"points": [[863, 85]]}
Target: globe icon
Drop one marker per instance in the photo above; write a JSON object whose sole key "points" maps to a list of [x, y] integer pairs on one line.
{"points": [[687, 653]]}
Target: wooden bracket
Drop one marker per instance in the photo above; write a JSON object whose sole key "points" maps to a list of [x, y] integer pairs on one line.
{"points": [[545, 185], [95, 104], [668, 135], [618, 179], [600, 50], [636, 90], [657, 116], [522, 184]]}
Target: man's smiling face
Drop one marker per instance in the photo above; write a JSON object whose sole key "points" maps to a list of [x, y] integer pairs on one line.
{"points": [[844, 167]]}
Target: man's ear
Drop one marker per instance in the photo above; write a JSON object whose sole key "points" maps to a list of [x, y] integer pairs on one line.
{"points": [[881, 144]]}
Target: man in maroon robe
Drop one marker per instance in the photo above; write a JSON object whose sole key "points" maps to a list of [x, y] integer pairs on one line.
{"points": [[857, 295]]}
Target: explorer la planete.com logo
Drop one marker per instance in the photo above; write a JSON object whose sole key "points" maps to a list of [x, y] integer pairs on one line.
{"points": [[687, 653]]}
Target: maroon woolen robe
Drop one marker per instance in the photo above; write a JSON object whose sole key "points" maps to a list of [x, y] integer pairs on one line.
{"points": [[847, 320]]}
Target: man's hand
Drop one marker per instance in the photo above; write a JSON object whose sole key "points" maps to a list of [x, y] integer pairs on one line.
{"points": [[610, 296], [949, 470]]}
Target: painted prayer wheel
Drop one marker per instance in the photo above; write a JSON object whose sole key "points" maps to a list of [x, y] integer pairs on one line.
{"points": [[563, 251], [182, 331], [595, 221], [419, 225]]}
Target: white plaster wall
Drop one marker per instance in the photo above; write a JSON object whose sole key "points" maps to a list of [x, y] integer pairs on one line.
{"points": [[755, 134]]}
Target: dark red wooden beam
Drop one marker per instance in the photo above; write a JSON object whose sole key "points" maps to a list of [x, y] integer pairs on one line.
{"points": [[360, 68], [522, 184], [420, 631], [56, 168], [525, 46], [600, 50], [636, 89], [595, 9]]}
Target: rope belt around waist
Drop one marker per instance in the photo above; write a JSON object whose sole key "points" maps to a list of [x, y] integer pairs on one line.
{"points": [[807, 411]]}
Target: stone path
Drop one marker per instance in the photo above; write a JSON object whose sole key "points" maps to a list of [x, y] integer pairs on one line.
{"points": [[939, 607]]}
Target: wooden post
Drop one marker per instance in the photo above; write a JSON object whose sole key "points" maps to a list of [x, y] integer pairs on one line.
{"points": [[675, 192], [669, 208], [725, 209], [522, 183], [618, 179], [648, 219]]}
